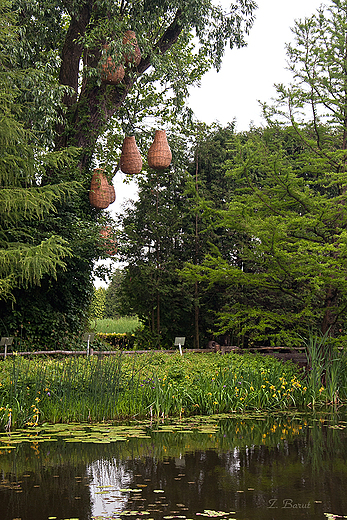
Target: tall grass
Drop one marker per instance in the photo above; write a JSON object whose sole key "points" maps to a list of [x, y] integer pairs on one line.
{"points": [[327, 370], [123, 325], [93, 389]]}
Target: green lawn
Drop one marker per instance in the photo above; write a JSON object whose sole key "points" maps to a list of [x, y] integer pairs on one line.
{"points": [[123, 325]]}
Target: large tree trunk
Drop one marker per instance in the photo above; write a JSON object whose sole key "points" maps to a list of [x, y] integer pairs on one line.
{"points": [[329, 317]]}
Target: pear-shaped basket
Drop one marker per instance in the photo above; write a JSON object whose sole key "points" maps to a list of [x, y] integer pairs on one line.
{"points": [[130, 159], [159, 155], [110, 73], [112, 192], [99, 194], [108, 240], [133, 57]]}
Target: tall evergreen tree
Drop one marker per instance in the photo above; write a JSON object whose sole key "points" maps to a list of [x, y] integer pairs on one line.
{"points": [[24, 260]]}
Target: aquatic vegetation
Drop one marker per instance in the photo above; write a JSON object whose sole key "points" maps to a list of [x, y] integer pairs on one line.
{"points": [[150, 385]]}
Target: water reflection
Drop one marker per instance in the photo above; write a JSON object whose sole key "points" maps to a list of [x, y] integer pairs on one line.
{"points": [[265, 468]]}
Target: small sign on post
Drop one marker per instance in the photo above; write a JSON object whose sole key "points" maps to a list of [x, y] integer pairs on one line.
{"points": [[6, 342], [89, 338], [180, 341]]}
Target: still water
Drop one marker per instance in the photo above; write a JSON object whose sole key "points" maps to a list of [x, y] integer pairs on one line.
{"points": [[264, 467]]}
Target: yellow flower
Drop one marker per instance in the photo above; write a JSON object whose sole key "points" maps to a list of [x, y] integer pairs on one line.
{"points": [[321, 389]]}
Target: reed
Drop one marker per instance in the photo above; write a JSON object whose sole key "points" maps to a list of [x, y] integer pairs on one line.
{"points": [[327, 370]]}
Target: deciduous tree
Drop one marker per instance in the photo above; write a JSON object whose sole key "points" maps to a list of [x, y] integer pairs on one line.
{"points": [[291, 196], [67, 103]]}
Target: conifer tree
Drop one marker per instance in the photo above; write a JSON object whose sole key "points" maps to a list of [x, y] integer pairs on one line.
{"points": [[24, 260]]}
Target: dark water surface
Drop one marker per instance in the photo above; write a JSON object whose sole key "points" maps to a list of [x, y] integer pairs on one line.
{"points": [[268, 467]]}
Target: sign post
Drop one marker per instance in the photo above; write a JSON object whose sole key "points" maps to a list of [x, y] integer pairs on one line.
{"points": [[180, 341], [89, 338], [5, 342]]}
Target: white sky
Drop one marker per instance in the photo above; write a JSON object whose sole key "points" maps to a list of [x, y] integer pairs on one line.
{"points": [[246, 76]]}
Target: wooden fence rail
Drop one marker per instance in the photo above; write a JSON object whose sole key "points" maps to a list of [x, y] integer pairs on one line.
{"points": [[296, 354]]}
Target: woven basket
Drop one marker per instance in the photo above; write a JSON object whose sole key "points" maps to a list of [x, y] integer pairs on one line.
{"points": [[130, 159], [99, 194], [159, 155], [111, 74], [108, 241], [134, 57], [112, 193]]}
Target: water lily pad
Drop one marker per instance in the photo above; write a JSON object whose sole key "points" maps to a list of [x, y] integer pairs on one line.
{"points": [[129, 490], [211, 513]]}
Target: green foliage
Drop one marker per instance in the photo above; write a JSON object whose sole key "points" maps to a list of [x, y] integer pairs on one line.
{"points": [[91, 389], [112, 295], [24, 258], [97, 308], [116, 340], [287, 268], [290, 253], [326, 369], [120, 325], [66, 106], [168, 225]]}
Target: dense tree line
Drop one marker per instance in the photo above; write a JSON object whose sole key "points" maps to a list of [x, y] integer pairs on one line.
{"points": [[243, 236], [269, 236], [56, 56]]}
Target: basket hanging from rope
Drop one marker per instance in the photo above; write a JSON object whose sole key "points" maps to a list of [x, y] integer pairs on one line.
{"points": [[112, 192], [130, 159], [132, 57], [110, 73], [99, 194], [108, 240], [159, 154]]}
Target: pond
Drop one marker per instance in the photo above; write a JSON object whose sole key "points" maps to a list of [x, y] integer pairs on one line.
{"points": [[286, 466]]}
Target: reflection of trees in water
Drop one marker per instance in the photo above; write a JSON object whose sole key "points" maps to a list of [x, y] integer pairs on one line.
{"points": [[277, 457], [108, 473], [49, 491]]}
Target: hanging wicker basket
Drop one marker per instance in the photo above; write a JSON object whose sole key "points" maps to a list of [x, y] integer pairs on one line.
{"points": [[111, 74], [99, 194], [108, 240], [112, 192], [159, 155], [130, 159], [133, 57]]}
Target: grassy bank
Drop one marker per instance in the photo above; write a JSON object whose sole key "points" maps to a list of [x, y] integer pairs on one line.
{"points": [[91, 389], [123, 325]]}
